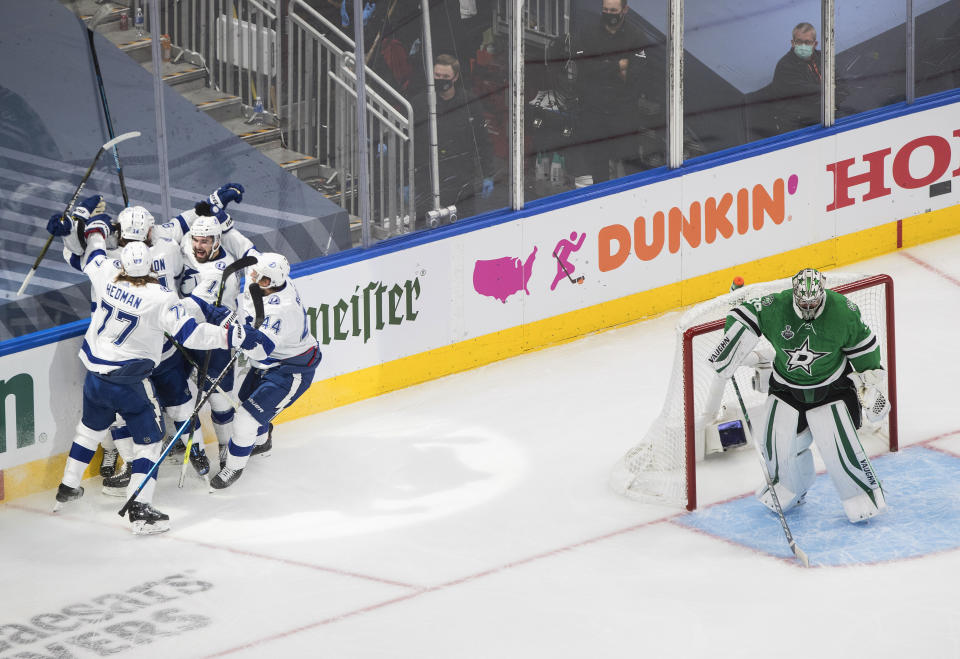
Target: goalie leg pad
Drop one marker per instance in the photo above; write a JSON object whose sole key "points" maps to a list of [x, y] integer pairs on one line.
{"points": [[846, 461], [788, 456]]}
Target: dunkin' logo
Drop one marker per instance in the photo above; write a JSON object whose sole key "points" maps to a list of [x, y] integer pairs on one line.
{"points": [[704, 222]]}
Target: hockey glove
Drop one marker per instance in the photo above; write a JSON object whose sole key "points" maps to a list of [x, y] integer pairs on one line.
{"points": [[225, 194], [872, 388], [92, 205], [219, 315], [762, 359], [98, 224], [58, 225]]}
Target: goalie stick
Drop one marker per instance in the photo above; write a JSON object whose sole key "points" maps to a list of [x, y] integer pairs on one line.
{"points": [[799, 553], [73, 200], [202, 378], [257, 294]]}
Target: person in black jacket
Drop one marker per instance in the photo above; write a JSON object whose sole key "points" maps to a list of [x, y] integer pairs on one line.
{"points": [[797, 80], [616, 85], [465, 155]]}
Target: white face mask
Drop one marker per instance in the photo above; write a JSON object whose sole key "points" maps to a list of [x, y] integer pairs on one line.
{"points": [[803, 50]]}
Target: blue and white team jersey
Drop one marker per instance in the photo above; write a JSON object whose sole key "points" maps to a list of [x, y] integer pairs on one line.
{"points": [[287, 329], [202, 280], [129, 322]]}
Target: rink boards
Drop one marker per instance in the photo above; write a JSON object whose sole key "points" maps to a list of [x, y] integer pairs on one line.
{"points": [[425, 306]]}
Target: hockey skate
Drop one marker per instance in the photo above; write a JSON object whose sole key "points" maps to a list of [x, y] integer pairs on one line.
{"points": [[267, 446], [199, 460], [116, 485], [147, 520], [65, 494], [225, 478], [108, 465]]}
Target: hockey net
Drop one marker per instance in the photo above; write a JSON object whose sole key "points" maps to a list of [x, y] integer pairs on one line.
{"points": [[662, 467]]}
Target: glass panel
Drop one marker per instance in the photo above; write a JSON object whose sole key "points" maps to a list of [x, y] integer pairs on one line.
{"points": [[871, 54], [595, 94], [743, 78], [937, 37]]}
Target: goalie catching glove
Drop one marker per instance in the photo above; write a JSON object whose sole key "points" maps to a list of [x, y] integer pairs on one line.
{"points": [[762, 361], [872, 389]]}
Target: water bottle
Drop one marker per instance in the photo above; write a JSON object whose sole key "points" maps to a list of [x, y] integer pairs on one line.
{"points": [[737, 283], [556, 169], [138, 22], [258, 111], [125, 21]]}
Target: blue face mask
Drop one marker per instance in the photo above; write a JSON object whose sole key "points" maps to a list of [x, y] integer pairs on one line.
{"points": [[803, 51]]}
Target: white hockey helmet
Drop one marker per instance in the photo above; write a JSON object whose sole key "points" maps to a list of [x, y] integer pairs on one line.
{"points": [[136, 260], [135, 223], [207, 226], [808, 293], [274, 266]]}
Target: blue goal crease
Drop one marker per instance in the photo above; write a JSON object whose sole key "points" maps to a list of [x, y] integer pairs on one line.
{"points": [[922, 517]]}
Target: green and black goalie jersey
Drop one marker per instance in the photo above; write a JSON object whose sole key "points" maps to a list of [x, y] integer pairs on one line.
{"points": [[809, 353]]}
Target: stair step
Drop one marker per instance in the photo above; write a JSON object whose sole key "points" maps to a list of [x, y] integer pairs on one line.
{"points": [[127, 41], [297, 163], [182, 76], [216, 104], [250, 133]]}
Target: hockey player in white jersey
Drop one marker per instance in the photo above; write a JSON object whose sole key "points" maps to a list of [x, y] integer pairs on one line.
{"points": [[121, 347], [283, 354]]}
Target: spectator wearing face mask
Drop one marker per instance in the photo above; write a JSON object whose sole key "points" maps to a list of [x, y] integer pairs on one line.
{"points": [[797, 80], [465, 155], [617, 84]]}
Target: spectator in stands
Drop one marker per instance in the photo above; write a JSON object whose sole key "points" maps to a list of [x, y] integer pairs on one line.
{"points": [[465, 157], [617, 85], [797, 81]]}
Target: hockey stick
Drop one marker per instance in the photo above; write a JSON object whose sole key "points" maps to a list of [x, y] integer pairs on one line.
{"points": [[578, 280], [186, 355], [73, 200], [799, 553], [239, 264], [257, 295], [106, 107]]}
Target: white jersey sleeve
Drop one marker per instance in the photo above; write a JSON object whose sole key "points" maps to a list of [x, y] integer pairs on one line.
{"points": [[285, 325]]}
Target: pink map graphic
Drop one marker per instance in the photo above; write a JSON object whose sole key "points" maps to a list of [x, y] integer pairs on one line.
{"points": [[501, 278]]}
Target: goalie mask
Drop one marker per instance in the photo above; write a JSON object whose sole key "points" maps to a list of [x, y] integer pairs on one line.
{"points": [[135, 223], [808, 293], [204, 227], [273, 266], [136, 260]]}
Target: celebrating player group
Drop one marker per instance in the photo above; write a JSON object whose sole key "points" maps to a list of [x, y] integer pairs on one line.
{"points": [[169, 309]]}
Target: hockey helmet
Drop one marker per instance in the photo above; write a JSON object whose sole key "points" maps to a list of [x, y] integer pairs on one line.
{"points": [[207, 226], [274, 266], [135, 223], [808, 293], [135, 259]]}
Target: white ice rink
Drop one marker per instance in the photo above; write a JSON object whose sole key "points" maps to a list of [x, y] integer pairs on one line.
{"points": [[470, 517]]}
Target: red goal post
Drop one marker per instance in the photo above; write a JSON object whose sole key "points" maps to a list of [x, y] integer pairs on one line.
{"points": [[662, 467]]}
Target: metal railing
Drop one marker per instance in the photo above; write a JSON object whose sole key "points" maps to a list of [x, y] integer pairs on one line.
{"points": [[236, 41], [543, 20], [320, 109]]}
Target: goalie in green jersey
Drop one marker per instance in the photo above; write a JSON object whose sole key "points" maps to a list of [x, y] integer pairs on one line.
{"points": [[824, 356]]}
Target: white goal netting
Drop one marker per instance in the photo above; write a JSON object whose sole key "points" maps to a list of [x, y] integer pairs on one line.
{"points": [[659, 468]]}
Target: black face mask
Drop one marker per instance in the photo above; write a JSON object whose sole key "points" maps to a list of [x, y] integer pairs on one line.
{"points": [[443, 85], [611, 20]]}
